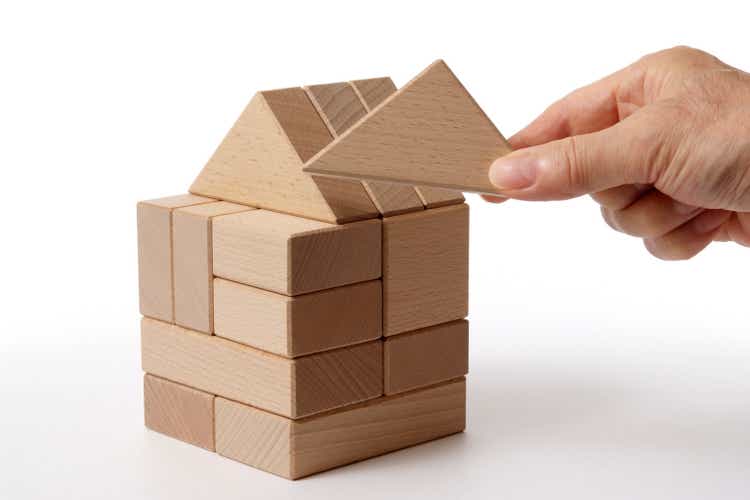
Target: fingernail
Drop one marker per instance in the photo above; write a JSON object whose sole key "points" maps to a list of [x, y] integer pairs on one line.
{"points": [[682, 208], [709, 221], [514, 173]]}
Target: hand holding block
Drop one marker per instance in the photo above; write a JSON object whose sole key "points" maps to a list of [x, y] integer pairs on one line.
{"points": [[155, 253], [296, 326], [291, 255], [298, 448], [425, 268], [291, 387], [430, 132], [193, 263]]}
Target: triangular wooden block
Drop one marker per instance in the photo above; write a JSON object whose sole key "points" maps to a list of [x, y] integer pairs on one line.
{"points": [[431, 132], [340, 107], [259, 163]]}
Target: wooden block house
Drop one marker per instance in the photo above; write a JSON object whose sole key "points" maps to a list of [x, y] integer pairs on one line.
{"points": [[297, 323]]}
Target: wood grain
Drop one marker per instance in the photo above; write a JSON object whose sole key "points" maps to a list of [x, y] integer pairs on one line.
{"points": [[155, 253], [259, 163], [193, 268], [426, 357], [291, 255], [430, 132], [341, 107], [301, 325], [374, 91], [179, 411], [425, 268], [290, 387], [299, 448]]}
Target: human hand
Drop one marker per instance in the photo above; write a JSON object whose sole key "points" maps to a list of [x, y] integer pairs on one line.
{"points": [[662, 145]]}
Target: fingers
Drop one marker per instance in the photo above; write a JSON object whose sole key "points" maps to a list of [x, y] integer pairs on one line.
{"points": [[493, 199], [582, 164], [736, 229], [690, 238], [620, 197], [653, 215]]}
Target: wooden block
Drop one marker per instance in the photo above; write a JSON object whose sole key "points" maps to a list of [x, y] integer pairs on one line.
{"points": [[430, 132], [341, 107], [374, 91], [259, 163], [292, 255], [298, 448], [193, 267], [179, 411], [426, 357], [425, 268], [155, 253], [290, 387], [296, 326]]}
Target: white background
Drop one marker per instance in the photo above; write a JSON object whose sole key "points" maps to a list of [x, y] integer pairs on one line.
{"points": [[597, 371]]}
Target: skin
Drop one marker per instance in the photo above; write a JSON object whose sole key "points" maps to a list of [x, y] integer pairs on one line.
{"points": [[663, 146]]}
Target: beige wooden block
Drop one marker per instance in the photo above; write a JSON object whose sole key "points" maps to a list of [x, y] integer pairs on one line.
{"points": [[426, 357], [341, 107], [155, 253], [193, 262], [290, 387], [425, 268], [374, 91], [291, 255], [296, 326], [299, 448], [179, 411], [259, 163], [430, 132]]}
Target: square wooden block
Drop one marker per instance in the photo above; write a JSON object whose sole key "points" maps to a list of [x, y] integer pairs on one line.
{"points": [[425, 268], [291, 255], [155, 253], [426, 357], [300, 325], [298, 448], [293, 388], [193, 262], [179, 411]]}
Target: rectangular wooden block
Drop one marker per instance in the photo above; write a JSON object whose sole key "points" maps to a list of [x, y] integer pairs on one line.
{"points": [[290, 387], [425, 268], [193, 262], [300, 325], [298, 448], [155, 253], [179, 411], [291, 255], [426, 357], [372, 92]]}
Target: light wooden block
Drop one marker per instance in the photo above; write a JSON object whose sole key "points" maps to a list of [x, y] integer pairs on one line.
{"points": [[341, 107], [431, 132], [290, 387], [259, 163], [296, 326], [372, 92], [291, 255], [299, 448], [426, 357], [193, 262], [425, 268], [179, 411], [155, 253]]}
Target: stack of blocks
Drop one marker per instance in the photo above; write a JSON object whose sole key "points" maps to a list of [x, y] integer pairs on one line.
{"points": [[297, 323]]}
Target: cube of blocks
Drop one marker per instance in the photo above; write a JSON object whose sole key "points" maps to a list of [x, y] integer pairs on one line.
{"points": [[298, 323]]}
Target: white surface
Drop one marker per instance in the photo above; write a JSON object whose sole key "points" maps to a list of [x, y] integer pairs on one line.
{"points": [[596, 370]]}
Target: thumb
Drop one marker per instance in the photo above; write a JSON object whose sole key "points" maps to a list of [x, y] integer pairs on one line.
{"points": [[573, 166]]}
